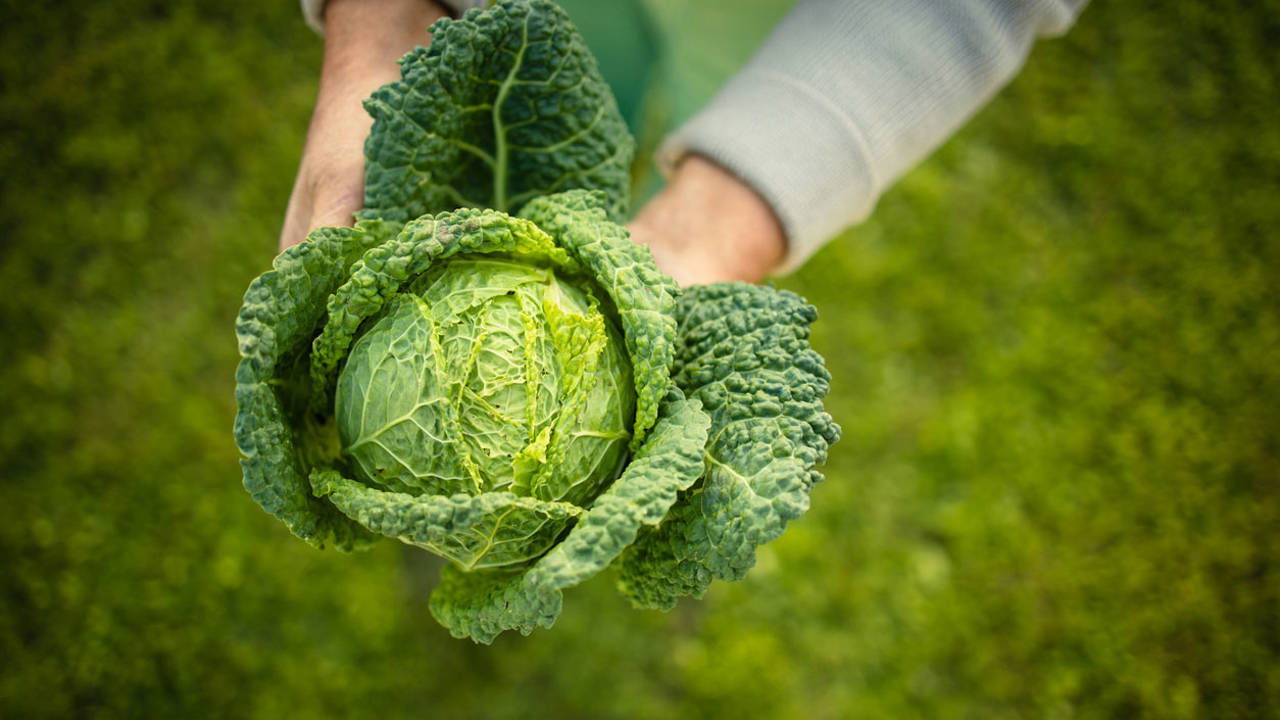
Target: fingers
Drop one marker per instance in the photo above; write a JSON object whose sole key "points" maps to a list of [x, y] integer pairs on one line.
{"points": [[332, 201], [297, 216], [339, 208]]}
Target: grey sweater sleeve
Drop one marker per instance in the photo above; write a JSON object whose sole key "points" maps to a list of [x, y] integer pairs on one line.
{"points": [[847, 95]]}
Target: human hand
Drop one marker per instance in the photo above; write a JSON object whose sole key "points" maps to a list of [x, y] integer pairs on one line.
{"points": [[363, 41], [707, 226]]}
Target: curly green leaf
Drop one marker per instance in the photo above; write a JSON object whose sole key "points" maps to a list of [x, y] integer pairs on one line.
{"points": [[744, 353], [504, 106], [482, 605]]}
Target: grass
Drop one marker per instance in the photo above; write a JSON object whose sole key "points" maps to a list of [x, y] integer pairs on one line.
{"points": [[1054, 351]]}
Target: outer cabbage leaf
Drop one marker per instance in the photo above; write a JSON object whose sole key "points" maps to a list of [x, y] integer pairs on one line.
{"points": [[506, 105], [279, 440], [643, 296], [481, 605], [744, 353], [476, 531]]}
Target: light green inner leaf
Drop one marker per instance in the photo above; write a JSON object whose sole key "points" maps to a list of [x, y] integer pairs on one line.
{"points": [[494, 375]]}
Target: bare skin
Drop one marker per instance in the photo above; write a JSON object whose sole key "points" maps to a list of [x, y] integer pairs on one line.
{"points": [[363, 40], [704, 226]]}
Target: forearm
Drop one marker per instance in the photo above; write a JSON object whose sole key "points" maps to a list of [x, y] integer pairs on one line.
{"points": [[847, 95], [367, 37], [364, 39]]}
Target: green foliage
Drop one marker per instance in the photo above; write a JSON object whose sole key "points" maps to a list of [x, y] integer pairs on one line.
{"points": [[744, 353], [501, 108], [472, 605], [642, 295], [467, 373], [509, 368], [1053, 355]]}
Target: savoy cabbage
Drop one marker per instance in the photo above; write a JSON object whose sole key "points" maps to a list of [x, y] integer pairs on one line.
{"points": [[487, 367]]}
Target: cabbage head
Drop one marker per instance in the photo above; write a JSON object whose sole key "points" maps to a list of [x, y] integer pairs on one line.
{"points": [[485, 365]]}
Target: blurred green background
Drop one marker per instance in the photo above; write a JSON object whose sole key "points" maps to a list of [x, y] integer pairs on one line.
{"points": [[1054, 350]]}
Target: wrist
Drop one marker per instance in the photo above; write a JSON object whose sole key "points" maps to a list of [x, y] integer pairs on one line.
{"points": [[364, 41], [364, 37], [707, 226]]}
